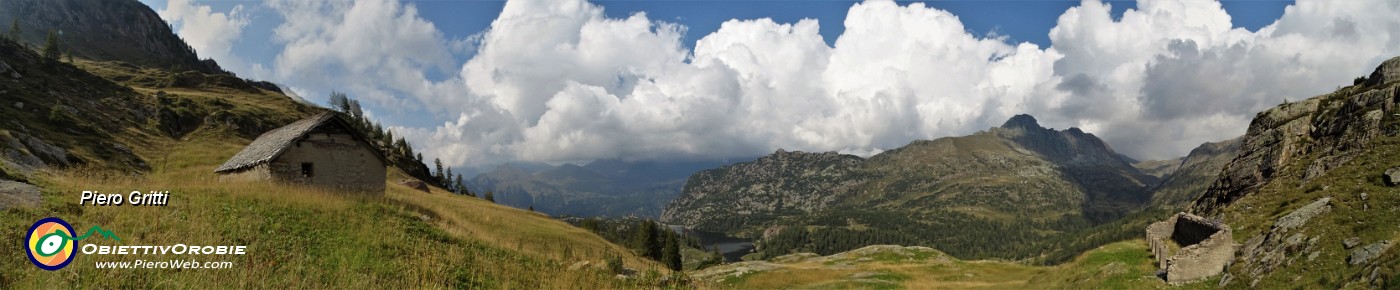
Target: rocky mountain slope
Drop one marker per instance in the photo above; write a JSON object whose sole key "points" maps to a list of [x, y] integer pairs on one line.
{"points": [[1015, 184], [1194, 174], [1311, 195], [87, 30]]}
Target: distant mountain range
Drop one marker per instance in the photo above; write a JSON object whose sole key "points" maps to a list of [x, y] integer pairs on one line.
{"points": [[606, 187], [996, 193]]}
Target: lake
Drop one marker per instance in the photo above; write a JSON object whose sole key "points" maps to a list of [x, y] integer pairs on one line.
{"points": [[731, 248]]}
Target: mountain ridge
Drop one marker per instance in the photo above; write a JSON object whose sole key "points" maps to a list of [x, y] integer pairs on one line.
{"points": [[1021, 180]]}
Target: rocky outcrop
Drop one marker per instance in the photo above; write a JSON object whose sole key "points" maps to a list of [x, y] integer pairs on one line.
{"points": [[1389, 71], [6, 70], [1285, 242], [1206, 247], [1320, 133], [1365, 254], [18, 194]]}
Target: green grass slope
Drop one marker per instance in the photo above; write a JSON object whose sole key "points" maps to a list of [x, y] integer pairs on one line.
{"points": [[309, 237], [1119, 265]]}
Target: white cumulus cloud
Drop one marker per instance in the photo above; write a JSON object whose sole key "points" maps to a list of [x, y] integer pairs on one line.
{"points": [[559, 81], [210, 33]]}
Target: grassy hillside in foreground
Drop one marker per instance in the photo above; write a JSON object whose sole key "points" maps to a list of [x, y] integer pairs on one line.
{"points": [[1121, 265], [307, 237]]}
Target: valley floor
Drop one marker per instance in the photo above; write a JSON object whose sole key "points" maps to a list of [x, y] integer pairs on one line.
{"points": [[1122, 265]]}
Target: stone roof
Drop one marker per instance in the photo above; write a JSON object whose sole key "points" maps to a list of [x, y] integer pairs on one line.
{"points": [[272, 144]]}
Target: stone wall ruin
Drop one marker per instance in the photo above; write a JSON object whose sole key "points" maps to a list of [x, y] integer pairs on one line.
{"points": [[1190, 248]]}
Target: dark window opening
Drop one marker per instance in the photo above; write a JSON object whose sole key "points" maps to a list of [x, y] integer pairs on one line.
{"points": [[306, 170]]}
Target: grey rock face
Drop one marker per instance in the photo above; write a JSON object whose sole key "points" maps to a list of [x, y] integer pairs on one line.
{"points": [[1365, 254], [1387, 72], [45, 150], [1303, 214], [1280, 245], [1319, 134]]}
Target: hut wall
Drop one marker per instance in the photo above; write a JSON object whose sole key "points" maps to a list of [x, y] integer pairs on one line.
{"points": [[334, 160]]}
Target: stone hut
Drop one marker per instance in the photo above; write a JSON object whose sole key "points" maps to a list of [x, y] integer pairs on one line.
{"points": [[1190, 248], [323, 151]]}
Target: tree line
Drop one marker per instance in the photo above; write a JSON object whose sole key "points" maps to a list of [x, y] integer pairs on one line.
{"points": [[645, 237], [396, 148]]}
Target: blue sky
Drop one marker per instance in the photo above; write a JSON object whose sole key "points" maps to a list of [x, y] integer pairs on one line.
{"points": [[1150, 79], [1018, 20]]}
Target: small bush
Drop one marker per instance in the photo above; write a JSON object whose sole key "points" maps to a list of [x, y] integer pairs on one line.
{"points": [[615, 264]]}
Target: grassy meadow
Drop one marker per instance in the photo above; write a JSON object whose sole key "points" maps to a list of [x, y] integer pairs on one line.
{"points": [[1121, 265], [307, 237]]}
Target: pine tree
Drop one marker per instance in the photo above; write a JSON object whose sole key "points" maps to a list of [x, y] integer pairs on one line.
{"points": [[716, 255], [386, 136], [490, 196], [51, 49], [461, 187], [401, 146], [14, 31], [447, 180], [438, 174], [644, 239], [671, 255], [355, 110], [340, 102]]}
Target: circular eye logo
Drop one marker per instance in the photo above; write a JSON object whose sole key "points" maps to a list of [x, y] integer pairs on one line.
{"points": [[50, 244]]}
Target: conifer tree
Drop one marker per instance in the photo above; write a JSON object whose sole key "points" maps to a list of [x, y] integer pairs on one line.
{"points": [[340, 102], [490, 196], [51, 49], [671, 255], [14, 31], [447, 180], [461, 187], [644, 239], [438, 174]]}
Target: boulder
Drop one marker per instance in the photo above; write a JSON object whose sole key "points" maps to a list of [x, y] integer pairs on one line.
{"points": [[19, 105], [415, 184], [1392, 176], [1365, 254]]}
